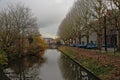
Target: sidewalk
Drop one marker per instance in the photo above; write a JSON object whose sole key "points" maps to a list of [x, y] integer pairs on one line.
{"points": [[109, 50]]}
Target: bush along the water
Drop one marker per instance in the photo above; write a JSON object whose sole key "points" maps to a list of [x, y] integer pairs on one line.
{"points": [[37, 46], [3, 57]]}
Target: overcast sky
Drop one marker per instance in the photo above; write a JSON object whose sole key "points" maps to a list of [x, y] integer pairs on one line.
{"points": [[49, 13]]}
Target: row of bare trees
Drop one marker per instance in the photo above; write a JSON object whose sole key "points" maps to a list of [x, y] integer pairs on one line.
{"points": [[87, 16]]}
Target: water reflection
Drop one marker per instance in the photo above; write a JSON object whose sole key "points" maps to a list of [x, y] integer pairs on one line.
{"points": [[73, 71], [54, 66], [26, 68]]}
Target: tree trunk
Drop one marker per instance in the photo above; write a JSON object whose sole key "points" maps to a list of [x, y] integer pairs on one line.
{"points": [[87, 37], [118, 48], [99, 37], [118, 26], [79, 40]]}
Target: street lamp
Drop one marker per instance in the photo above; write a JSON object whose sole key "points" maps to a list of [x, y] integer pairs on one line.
{"points": [[105, 39]]}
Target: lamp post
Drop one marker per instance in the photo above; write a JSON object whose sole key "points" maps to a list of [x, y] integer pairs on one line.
{"points": [[116, 26], [105, 39]]}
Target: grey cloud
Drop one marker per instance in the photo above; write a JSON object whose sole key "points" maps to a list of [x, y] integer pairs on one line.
{"points": [[49, 13]]}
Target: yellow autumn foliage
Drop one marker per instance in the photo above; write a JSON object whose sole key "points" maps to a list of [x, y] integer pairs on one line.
{"points": [[38, 40], [34, 46]]}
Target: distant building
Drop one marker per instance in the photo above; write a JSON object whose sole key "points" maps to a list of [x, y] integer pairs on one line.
{"points": [[49, 40], [92, 38]]}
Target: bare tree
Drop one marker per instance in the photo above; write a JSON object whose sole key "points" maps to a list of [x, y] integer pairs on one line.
{"points": [[117, 19], [16, 23], [98, 11]]}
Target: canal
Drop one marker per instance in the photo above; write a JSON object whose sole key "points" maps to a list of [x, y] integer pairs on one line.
{"points": [[53, 66]]}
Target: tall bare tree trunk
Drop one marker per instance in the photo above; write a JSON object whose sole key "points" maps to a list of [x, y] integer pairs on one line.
{"points": [[79, 40], [118, 48], [118, 27], [99, 37], [87, 37], [119, 31]]}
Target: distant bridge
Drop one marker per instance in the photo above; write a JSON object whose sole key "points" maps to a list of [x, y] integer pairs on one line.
{"points": [[52, 46]]}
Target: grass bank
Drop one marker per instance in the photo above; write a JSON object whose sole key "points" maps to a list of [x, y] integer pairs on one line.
{"points": [[104, 66]]}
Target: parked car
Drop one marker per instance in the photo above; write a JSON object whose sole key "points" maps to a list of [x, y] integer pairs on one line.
{"points": [[91, 46], [82, 45], [73, 45], [108, 45]]}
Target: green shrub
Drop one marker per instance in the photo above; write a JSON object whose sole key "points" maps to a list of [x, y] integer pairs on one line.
{"points": [[3, 57]]}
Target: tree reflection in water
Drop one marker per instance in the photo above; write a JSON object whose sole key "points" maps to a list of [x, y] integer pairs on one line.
{"points": [[73, 71], [26, 68]]}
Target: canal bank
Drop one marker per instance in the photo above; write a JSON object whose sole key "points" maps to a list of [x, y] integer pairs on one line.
{"points": [[104, 66]]}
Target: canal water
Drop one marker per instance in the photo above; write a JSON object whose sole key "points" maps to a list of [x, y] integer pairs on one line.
{"points": [[53, 66]]}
